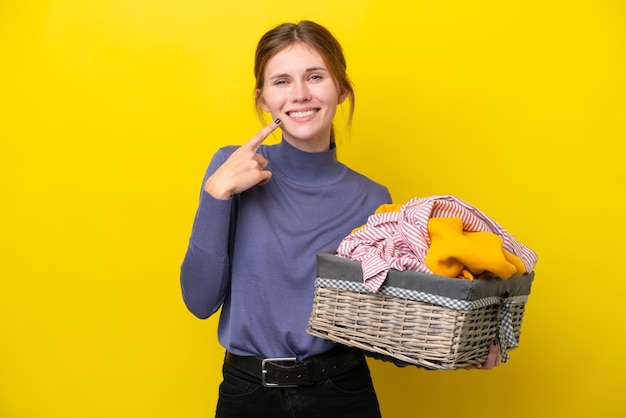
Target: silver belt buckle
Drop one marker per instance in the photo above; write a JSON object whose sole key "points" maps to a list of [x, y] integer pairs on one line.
{"points": [[264, 372]]}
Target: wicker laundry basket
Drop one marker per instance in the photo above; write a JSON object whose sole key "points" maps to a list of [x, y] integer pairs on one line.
{"points": [[418, 319]]}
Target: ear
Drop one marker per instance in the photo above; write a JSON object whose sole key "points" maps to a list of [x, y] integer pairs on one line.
{"points": [[260, 100], [342, 97]]}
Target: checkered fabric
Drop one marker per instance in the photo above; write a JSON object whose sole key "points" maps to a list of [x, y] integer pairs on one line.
{"points": [[416, 295], [506, 334]]}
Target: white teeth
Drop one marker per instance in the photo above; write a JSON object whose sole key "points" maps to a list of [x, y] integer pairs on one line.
{"points": [[301, 114]]}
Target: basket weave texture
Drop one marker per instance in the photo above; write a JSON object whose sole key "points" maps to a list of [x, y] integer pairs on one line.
{"points": [[417, 319]]}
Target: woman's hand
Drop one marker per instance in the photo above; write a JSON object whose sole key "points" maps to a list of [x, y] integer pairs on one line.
{"points": [[244, 168], [493, 359]]}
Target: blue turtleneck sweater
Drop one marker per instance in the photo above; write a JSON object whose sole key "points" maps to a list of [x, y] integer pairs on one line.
{"points": [[254, 254]]}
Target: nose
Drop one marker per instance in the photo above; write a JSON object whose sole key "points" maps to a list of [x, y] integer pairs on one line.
{"points": [[301, 92]]}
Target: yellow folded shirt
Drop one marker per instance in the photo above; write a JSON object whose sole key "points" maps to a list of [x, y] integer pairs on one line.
{"points": [[454, 252]]}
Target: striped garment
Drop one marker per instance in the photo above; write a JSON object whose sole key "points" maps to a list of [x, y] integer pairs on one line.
{"points": [[400, 240]]}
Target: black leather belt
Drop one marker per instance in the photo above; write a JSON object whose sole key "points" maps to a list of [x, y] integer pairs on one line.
{"points": [[289, 372]]}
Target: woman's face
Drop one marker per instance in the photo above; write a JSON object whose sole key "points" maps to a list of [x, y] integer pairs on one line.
{"points": [[299, 90]]}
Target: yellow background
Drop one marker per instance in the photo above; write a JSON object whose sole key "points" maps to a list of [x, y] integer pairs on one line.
{"points": [[110, 111]]}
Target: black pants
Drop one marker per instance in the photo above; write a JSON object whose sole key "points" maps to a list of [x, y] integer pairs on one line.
{"points": [[348, 395]]}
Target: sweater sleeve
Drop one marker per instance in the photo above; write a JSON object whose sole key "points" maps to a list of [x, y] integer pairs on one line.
{"points": [[205, 272]]}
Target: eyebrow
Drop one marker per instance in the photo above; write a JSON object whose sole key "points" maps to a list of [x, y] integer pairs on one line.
{"points": [[308, 70]]}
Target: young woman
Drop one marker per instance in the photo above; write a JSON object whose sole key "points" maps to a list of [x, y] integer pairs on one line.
{"points": [[264, 213]]}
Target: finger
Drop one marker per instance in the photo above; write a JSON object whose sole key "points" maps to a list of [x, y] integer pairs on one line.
{"points": [[498, 354], [493, 356], [262, 161], [258, 139], [490, 363], [267, 177], [473, 367]]}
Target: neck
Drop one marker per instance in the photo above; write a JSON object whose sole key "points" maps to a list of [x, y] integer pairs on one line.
{"points": [[306, 167]]}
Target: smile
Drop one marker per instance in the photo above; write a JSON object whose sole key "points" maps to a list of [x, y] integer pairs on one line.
{"points": [[303, 114]]}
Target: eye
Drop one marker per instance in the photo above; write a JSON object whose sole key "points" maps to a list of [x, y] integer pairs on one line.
{"points": [[280, 82], [316, 77]]}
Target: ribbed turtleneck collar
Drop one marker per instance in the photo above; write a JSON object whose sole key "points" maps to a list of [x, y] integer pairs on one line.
{"points": [[305, 168]]}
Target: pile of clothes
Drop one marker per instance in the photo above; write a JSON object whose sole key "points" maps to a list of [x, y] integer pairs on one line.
{"points": [[440, 235]]}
